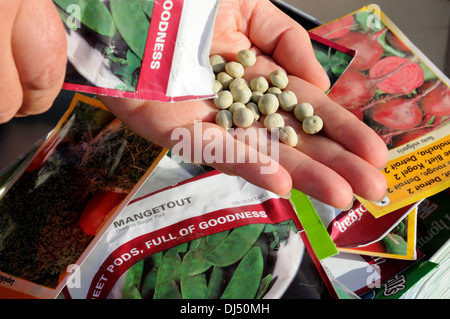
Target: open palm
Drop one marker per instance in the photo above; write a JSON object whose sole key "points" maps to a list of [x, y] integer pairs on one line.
{"points": [[341, 161]]}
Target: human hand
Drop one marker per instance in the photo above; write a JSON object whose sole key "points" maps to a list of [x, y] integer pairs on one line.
{"points": [[33, 54], [341, 161]]}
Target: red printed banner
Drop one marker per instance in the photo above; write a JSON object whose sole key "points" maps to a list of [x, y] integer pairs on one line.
{"points": [[160, 47], [186, 230]]}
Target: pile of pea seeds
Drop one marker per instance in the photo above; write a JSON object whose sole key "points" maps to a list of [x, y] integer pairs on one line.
{"points": [[241, 103]]}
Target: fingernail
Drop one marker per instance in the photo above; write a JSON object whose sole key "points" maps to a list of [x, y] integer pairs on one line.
{"points": [[287, 196]]}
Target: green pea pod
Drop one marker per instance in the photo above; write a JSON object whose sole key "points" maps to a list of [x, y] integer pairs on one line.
{"points": [[130, 289], [93, 13], [195, 259], [265, 282], [168, 277], [147, 6], [247, 278], [192, 287], [216, 283], [148, 285], [132, 24], [235, 246]]}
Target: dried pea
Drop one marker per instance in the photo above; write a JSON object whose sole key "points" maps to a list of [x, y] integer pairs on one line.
{"points": [[217, 63], [303, 110], [241, 94], [288, 136], [254, 107], [225, 79], [274, 90], [288, 101], [279, 79], [256, 96], [223, 100], [246, 57], [234, 106], [268, 104], [243, 117], [217, 86], [312, 124], [247, 278], [259, 84], [224, 119], [234, 69], [274, 120], [238, 82]]}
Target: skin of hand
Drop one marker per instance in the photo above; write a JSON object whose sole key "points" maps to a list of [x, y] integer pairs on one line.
{"points": [[343, 160], [331, 167], [33, 54]]}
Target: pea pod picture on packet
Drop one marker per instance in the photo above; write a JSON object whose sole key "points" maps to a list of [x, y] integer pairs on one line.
{"points": [[142, 49]]}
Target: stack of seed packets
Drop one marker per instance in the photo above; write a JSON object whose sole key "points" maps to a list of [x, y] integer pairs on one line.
{"points": [[401, 95]]}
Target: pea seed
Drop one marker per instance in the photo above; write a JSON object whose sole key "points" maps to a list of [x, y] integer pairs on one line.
{"points": [[312, 124], [235, 69], [234, 106], [288, 136], [268, 104], [241, 94], [288, 101], [223, 100], [259, 84], [243, 117], [224, 119], [274, 120], [303, 110], [279, 79], [217, 63], [237, 82], [274, 90], [225, 79], [256, 96], [217, 86], [254, 107], [246, 57]]}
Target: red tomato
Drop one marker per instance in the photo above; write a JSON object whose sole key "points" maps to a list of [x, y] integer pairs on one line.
{"points": [[97, 209]]}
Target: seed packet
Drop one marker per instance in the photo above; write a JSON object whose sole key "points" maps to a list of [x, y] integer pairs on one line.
{"points": [[396, 90], [359, 232], [143, 49], [363, 274], [208, 237], [59, 200]]}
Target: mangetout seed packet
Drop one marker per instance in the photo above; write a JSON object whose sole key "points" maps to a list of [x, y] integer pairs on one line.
{"points": [[210, 236], [145, 49], [55, 207], [396, 90]]}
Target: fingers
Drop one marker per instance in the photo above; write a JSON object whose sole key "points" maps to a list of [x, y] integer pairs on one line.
{"points": [[34, 58], [287, 42], [261, 25], [341, 126]]}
